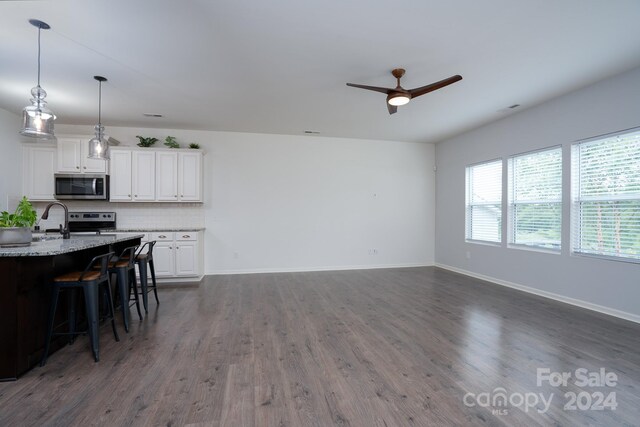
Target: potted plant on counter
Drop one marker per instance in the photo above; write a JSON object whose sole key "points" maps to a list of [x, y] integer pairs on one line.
{"points": [[15, 228]]}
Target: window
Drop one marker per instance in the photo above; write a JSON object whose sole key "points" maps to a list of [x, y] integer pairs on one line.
{"points": [[484, 202], [606, 196], [535, 199]]}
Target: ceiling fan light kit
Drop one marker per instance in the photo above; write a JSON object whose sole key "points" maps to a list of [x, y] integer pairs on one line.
{"points": [[399, 96], [37, 119], [398, 99]]}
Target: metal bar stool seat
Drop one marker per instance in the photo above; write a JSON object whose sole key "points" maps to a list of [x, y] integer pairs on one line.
{"points": [[90, 281]]}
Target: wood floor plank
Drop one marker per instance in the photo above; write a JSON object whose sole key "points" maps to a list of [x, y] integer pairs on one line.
{"points": [[388, 347]]}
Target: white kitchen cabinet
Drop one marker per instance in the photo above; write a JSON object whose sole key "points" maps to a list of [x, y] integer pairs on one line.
{"points": [[176, 254], [132, 175], [38, 167], [72, 156], [164, 259], [187, 254], [190, 177], [166, 176], [178, 176], [146, 175], [120, 175], [143, 172]]}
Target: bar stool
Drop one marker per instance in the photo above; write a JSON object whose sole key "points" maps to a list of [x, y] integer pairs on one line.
{"points": [[89, 281], [143, 261], [123, 267]]}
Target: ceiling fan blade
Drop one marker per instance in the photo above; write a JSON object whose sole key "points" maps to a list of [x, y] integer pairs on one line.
{"points": [[392, 108], [434, 86], [375, 88]]}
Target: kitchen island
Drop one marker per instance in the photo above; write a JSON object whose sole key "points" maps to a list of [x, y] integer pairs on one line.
{"points": [[25, 277]]}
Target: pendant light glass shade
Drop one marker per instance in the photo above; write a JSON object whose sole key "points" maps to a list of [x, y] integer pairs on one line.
{"points": [[98, 145], [37, 118]]}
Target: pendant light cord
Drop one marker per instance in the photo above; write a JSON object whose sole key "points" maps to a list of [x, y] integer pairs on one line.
{"points": [[39, 29], [99, 103]]}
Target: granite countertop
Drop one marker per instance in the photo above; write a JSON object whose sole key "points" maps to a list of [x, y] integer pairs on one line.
{"points": [[153, 230], [54, 245]]}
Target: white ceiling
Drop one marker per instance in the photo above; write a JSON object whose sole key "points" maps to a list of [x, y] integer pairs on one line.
{"points": [[280, 66]]}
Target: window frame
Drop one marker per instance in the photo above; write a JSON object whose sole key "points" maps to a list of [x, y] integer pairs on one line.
{"points": [[511, 203], [468, 204], [576, 211]]}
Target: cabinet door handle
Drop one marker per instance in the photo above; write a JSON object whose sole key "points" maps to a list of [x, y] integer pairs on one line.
{"points": [[177, 247], [135, 195], [128, 195], [77, 167], [186, 236], [84, 167], [162, 237]]}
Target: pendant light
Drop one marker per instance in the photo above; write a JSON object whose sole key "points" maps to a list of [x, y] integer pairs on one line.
{"points": [[37, 119], [98, 145]]}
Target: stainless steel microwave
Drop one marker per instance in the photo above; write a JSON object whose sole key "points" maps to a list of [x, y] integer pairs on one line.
{"points": [[81, 186]]}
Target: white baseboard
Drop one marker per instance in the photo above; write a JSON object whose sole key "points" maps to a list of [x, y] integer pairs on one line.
{"points": [[568, 300], [305, 269]]}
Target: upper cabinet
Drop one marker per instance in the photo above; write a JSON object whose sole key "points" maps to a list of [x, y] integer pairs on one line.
{"points": [[147, 175], [72, 157], [179, 176], [190, 177], [38, 167], [143, 181], [120, 175]]}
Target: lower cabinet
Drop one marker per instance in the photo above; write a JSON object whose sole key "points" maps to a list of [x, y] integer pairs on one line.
{"points": [[175, 254]]}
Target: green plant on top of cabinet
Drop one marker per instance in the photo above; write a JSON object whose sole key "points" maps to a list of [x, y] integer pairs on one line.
{"points": [[146, 142], [171, 142], [72, 156]]}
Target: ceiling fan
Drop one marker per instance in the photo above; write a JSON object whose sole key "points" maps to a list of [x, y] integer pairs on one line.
{"points": [[400, 96]]}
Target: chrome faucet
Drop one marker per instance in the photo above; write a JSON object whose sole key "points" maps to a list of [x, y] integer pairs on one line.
{"points": [[66, 234]]}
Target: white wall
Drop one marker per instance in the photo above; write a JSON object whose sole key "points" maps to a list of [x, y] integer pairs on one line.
{"points": [[284, 203], [10, 160], [609, 286]]}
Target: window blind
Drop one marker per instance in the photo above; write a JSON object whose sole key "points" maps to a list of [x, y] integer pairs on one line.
{"points": [[606, 196], [484, 202], [535, 199]]}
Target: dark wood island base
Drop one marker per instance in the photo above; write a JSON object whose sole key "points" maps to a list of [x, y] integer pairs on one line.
{"points": [[25, 296]]}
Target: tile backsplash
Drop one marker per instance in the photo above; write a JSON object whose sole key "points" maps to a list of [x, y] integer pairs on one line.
{"points": [[131, 215]]}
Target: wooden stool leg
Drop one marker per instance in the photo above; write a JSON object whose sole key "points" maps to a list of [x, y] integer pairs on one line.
{"points": [[91, 303], [52, 314], [142, 267], [153, 280]]}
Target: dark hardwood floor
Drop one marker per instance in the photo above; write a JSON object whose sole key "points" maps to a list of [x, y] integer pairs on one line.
{"points": [[396, 347]]}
